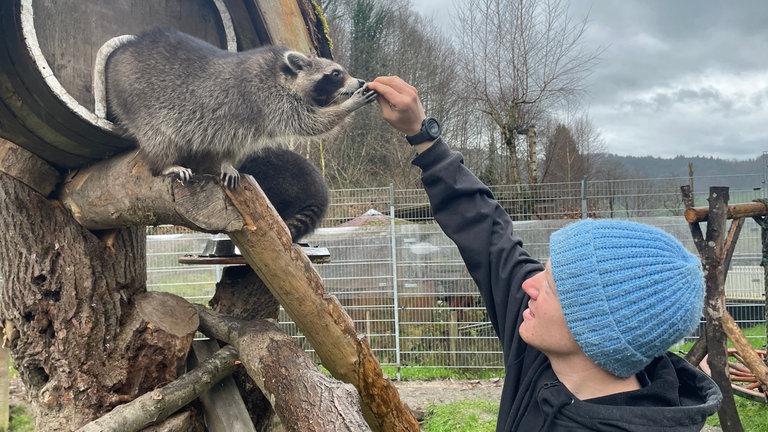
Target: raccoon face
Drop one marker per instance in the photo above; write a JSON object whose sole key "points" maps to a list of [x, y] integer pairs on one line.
{"points": [[320, 81]]}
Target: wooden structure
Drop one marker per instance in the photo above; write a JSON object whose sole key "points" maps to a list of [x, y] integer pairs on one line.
{"points": [[48, 49], [716, 250], [76, 311]]}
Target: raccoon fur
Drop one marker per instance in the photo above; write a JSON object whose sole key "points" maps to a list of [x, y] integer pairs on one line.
{"points": [[193, 106], [293, 184]]}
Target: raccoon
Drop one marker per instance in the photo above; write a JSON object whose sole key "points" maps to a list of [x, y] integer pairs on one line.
{"points": [[293, 184], [193, 106]]}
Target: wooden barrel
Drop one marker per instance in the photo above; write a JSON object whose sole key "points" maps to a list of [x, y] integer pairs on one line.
{"points": [[48, 49]]}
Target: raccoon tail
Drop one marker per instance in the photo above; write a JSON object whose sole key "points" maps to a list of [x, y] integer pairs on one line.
{"points": [[99, 73], [305, 221]]}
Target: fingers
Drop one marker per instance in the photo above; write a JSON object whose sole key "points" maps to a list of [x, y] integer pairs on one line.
{"points": [[399, 102], [394, 90]]}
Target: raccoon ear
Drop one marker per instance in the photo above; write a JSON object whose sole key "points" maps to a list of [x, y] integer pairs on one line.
{"points": [[296, 60]]}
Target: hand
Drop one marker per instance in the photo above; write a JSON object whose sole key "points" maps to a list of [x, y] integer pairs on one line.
{"points": [[399, 102]]}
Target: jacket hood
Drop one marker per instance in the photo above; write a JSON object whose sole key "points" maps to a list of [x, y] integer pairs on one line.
{"points": [[678, 398]]}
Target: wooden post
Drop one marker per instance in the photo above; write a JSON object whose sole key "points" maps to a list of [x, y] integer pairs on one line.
{"points": [[453, 335], [714, 253]]}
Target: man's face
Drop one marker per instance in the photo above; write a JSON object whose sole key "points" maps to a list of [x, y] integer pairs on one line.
{"points": [[544, 326]]}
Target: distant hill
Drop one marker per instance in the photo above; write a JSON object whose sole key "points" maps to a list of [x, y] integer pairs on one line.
{"points": [[737, 174]]}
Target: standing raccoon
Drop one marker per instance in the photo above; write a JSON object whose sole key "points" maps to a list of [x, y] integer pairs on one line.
{"points": [[294, 186], [191, 105]]}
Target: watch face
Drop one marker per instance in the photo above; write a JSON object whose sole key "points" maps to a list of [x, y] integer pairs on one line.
{"points": [[433, 127]]}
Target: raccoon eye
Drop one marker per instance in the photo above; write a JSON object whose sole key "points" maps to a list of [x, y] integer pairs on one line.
{"points": [[336, 74]]}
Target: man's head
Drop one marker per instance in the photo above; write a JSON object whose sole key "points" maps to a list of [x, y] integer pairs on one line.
{"points": [[628, 291]]}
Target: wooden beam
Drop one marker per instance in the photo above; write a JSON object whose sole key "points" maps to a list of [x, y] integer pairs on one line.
{"points": [[735, 211], [121, 192], [266, 245], [714, 252]]}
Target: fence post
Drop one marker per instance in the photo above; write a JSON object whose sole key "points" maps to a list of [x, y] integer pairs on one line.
{"points": [[453, 336], [395, 283], [583, 197]]}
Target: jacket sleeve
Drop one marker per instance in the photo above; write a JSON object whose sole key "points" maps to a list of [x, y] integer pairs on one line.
{"points": [[482, 230]]}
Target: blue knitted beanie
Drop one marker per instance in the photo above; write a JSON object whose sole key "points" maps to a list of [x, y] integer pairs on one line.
{"points": [[628, 291]]}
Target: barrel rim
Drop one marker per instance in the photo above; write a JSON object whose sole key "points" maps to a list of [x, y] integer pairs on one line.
{"points": [[29, 33]]}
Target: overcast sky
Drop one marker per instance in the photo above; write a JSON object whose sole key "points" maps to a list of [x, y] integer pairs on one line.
{"points": [[676, 78]]}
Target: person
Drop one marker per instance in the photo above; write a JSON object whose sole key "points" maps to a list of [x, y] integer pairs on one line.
{"points": [[584, 335]]}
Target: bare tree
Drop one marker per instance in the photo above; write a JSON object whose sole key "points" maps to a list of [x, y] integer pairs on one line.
{"points": [[378, 37], [520, 58]]}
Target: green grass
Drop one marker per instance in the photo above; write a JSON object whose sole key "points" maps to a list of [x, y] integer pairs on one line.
{"points": [[466, 416], [755, 335], [20, 421], [437, 373], [753, 415]]}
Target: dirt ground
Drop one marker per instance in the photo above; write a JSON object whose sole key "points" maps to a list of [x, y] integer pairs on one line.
{"points": [[418, 395]]}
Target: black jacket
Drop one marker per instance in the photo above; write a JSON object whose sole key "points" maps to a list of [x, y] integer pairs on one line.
{"points": [[675, 395]]}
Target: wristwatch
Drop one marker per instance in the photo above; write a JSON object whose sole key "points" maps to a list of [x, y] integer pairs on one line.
{"points": [[430, 131]]}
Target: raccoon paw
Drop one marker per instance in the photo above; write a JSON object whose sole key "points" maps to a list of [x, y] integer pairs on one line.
{"points": [[184, 174], [369, 94], [360, 98], [229, 176]]}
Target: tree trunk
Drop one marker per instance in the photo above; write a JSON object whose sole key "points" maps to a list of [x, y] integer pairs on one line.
{"points": [[159, 404], [715, 256], [64, 303]]}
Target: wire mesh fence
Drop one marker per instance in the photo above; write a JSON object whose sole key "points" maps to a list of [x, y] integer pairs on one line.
{"points": [[403, 283]]}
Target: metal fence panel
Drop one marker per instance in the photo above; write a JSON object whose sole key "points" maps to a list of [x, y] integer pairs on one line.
{"points": [[404, 284]]}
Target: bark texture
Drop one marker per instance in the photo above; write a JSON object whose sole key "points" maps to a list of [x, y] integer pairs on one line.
{"points": [[242, 295], [304, 398], [65, 304]]}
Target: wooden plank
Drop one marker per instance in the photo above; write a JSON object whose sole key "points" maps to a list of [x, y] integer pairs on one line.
{"points": [[223, 407], [284, 22]]}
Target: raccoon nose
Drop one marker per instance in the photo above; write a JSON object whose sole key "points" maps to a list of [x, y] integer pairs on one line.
{"points": [[361, 82]]}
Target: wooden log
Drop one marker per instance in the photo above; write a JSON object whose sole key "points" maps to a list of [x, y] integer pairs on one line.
{"points": [[222, 404], [287, 376], [751, 359], [735, 211], [159, 322], [264, 241], [135, 197], [713, 253], [159, 404], [183, 421], [240, 294], [266, 245], [698, 351]]}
